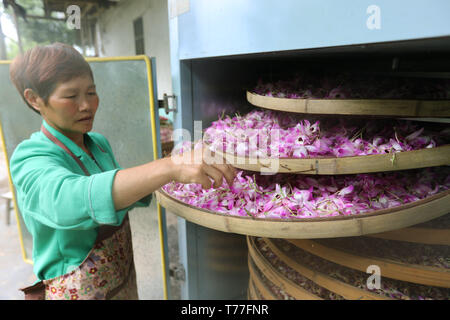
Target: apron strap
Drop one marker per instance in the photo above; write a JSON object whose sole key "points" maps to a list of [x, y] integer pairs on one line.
{"points": [[61, 145], [105, 231]]}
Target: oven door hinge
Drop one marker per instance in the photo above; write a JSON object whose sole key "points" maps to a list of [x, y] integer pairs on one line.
{"points": [[165, 103]]}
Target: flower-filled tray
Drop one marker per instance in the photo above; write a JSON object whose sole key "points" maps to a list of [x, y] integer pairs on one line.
{"points": [[310, 228], [269, 141], [362, 107], [404, 160]]}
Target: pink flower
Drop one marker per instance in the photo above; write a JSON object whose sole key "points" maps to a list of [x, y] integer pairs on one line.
{"points": [[301, 196], [345, 191]]}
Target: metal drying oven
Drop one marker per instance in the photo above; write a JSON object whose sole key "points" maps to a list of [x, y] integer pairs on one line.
{"points": [[219, 50]]}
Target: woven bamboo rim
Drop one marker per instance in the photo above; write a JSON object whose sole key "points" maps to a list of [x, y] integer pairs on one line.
{"points": [[264, 292], [274, 276], [343, 289], [422, 158], [368, 107], [374, 222], [251, 292], [417, 235], [431, 276]]}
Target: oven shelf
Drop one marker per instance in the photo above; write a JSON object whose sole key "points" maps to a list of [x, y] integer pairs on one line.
{"points": [[392, 268], [298, 270], [267, 278], [295, 266], [418, 234], [360, 107], [327, 227], [415, 159]]}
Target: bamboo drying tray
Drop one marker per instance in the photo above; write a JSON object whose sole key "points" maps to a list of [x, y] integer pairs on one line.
{"points": [[288, 266], [258, 261], [252, 293], [417, 235], [343, 226], [426, 275], [415, 159], [322, 280], [366, 107], [258, 288]]}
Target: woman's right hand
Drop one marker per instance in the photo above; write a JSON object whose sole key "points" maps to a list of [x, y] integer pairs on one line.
{"points": [[195, 166], [133, 184]]}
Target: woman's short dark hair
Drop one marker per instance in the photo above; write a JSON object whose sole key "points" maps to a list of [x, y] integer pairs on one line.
{"points": [[42, 68]]}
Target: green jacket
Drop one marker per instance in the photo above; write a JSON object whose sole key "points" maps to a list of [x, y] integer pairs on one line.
{"points": [[62, 207]]}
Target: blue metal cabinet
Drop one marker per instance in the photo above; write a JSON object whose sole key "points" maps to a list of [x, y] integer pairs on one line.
{"points": [[217, 49], [232, 27]]}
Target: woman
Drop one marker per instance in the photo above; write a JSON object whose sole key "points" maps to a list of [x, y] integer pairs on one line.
{"points": [[72, 194]]}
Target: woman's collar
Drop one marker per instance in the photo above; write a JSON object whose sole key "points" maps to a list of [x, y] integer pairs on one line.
{"points": [[77, 151]]}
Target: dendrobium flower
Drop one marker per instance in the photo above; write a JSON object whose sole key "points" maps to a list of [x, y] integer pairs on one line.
{"points": [[346, 86], [286, 196], [264, 134]]}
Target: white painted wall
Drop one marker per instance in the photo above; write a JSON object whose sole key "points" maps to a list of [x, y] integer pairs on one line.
{"points": [[115, 29]]}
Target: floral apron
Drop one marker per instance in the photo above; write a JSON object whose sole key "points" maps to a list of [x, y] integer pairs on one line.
{"points": [[106, 273]]}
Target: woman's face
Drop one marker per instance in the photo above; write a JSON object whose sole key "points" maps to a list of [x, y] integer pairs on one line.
{"points": [[72, 106]]}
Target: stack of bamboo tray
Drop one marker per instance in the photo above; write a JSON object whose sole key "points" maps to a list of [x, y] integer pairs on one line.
{"points": [[411, 258], [413, 263]]}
